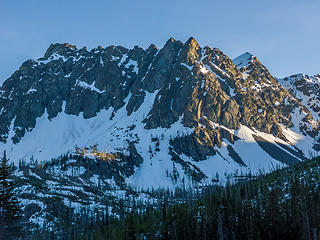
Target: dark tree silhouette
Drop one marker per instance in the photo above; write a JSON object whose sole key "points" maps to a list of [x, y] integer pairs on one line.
{"points": [[10, 227]]}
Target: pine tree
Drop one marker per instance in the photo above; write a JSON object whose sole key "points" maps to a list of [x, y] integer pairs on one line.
{"points": [[9, 205]]}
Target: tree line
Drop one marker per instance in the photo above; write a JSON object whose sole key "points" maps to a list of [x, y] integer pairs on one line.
{"points": [[284, 204]]}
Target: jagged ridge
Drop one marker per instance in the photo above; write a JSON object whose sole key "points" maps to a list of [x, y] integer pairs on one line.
{"points": [[202, 102]]}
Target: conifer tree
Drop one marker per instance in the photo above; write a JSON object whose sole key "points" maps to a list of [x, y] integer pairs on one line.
{"points": [[9, 205]]}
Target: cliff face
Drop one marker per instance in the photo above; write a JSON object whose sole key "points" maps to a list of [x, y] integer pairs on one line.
{"points": [[85, 81], [197, 102]]}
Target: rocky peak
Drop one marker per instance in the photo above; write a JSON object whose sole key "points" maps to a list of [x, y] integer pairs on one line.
{"points": [[152, 47], [59, 48], [307, 89], [171, 44], [249, 65], [243, 60], [221, 65], [162, 65], [190, 51], [302, 82]]}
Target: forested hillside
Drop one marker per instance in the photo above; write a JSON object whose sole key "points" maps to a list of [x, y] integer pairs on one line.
{"points": [[284, 204]]}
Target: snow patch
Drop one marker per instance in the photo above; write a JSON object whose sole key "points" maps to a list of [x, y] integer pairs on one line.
{"points": [[187, 66], [91, 86], [134, 64], [203, 69], [243, 60]]}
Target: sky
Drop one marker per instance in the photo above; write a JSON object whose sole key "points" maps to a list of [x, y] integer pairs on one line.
{"points": [[284, 35]]}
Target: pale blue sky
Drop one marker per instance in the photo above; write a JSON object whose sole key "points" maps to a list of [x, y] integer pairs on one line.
{"points": [[283, 34]]}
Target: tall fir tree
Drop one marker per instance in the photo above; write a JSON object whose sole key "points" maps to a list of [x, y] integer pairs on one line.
{"points": [[9, 205]]}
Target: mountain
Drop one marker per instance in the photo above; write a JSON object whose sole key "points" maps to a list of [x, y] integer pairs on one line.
{"points": [[181, 110]]}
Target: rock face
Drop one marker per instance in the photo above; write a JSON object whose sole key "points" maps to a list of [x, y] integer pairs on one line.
{"points": [[201, 89], [70, 80], [306, 89]]}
